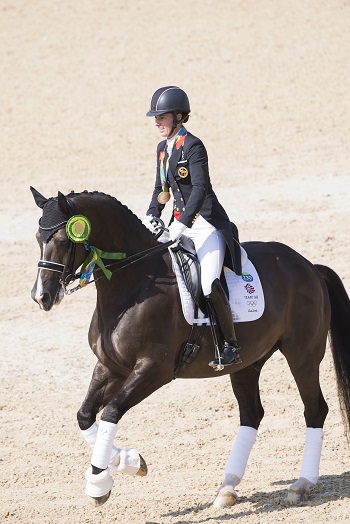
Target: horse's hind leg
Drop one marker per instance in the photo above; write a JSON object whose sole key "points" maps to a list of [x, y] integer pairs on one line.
{"points": [[245, 385], [306, 375]]}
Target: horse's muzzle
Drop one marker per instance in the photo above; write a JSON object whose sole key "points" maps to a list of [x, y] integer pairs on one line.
{"points": [[45, 300]]}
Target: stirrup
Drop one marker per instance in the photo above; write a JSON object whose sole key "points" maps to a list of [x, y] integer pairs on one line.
{"points": [[230, 355]]}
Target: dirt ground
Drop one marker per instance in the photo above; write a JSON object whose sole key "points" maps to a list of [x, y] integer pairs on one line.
{"points": [[269, 87]]}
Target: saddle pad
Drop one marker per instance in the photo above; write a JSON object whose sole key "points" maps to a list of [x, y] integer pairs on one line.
{"points": [[246, 294]]}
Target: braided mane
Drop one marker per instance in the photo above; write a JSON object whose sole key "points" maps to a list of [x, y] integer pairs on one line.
{"points": [[112, 199]]}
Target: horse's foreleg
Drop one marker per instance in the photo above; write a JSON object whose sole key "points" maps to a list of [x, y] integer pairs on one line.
{"points": [[245, 385], [126, 461], [235, 467], [101, 387], [145, 378]]}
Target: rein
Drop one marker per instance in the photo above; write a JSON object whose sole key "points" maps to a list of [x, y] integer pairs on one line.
{"points": [[128, 261]]}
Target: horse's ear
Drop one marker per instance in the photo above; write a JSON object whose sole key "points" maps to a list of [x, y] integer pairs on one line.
{"points": [[40, 200], [63, 204]]}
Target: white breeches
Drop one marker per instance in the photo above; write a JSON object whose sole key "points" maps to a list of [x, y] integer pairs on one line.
{"points": [[210, 246]]}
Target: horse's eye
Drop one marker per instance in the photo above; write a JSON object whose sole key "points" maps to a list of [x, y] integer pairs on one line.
{"points": [[63, 242]]}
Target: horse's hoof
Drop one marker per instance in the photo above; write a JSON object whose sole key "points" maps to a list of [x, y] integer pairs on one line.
{"points": [[143, 470], [299, 491], [98, 501], [226, 498]]}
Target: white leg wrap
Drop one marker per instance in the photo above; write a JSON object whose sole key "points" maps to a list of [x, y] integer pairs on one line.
{"points": [[90, 434], [104, 443], [121, 460], [128, 461], [242, 447], [312, 454], [98, 485]]}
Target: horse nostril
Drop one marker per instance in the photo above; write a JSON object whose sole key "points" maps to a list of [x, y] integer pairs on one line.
{"points": [[44, 301]]}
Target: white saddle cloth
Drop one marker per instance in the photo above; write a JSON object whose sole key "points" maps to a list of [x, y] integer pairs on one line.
{"points": [[246, 295]]}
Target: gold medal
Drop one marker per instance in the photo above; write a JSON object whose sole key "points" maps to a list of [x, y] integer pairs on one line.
{"points": [[163, 197], [182, 172]]}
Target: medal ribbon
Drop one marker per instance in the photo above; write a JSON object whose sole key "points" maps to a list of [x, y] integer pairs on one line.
{"points": [[179, 141], [95, 257]]}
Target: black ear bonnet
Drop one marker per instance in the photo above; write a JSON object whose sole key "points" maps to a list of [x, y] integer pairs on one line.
{"points": [[56, 213]]}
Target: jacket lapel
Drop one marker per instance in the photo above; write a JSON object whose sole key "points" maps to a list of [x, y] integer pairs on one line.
{"points": [[175, 157]]}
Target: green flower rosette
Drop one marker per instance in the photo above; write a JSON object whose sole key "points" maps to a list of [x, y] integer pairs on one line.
{"points": [[78, 228]]}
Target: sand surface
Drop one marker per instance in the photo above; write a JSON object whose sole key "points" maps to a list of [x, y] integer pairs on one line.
{"points": [[269, 87]]}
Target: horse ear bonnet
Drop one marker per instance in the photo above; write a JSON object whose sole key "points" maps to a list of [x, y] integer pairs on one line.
{"points": [[40, 200], [55, 215]]}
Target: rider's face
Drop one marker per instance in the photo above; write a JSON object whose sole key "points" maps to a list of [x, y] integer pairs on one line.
{"points": [[164, 123]]}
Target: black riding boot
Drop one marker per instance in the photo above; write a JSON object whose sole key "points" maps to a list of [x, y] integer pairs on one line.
{"points": [[230, 350]]}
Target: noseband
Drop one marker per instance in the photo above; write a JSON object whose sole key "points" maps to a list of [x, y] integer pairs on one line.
{"points": [[51, 266], [65, 270]]}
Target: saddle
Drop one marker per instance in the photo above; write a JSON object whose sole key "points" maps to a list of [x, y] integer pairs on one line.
{"points": [[188, 263], [189, 266]]}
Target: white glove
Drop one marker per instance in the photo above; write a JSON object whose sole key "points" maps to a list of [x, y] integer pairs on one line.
{"points": [[147, 221], [176, 229], [164, 237]]}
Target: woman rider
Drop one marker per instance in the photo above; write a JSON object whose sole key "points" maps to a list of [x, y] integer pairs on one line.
{"points": [[182, 165]]}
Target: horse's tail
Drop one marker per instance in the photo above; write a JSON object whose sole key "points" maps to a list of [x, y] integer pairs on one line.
{"points": [[339, 338]]}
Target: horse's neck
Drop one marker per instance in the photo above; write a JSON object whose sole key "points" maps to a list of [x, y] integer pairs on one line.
{"points": [[114, 227], [134, 285]]}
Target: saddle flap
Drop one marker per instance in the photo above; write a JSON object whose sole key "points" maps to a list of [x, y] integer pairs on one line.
{"points": [[191, 273]]}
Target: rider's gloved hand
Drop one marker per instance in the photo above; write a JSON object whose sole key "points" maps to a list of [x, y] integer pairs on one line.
{"points": [[176, 229], [147, 221], [164, 237]]}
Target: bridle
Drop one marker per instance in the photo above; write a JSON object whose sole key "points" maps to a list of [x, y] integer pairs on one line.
{"points": [[118, 265], [67, 276], [66, 271]]}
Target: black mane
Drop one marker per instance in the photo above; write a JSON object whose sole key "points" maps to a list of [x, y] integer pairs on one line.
{"points": [[55, 218], [113, 200]]}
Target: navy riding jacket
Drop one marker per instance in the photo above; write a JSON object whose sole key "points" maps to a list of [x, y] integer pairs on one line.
{"points": [[194, 195]]}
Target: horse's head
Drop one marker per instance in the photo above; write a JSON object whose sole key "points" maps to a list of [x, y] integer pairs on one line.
{"points": [[60, 257], [66, 244]]}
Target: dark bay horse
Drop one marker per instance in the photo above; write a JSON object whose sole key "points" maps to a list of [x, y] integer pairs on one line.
{"points": [[138, 329]]}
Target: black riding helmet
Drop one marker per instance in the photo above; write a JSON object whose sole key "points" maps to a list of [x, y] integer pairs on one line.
{"points": [[169, 99]]}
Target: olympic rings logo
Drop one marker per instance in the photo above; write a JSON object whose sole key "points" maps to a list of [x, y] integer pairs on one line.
{"points": [[252, 302]]}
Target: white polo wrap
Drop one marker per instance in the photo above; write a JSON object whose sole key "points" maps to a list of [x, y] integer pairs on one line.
{"points": [[242, 447], [312, 454], [104, 443]]}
